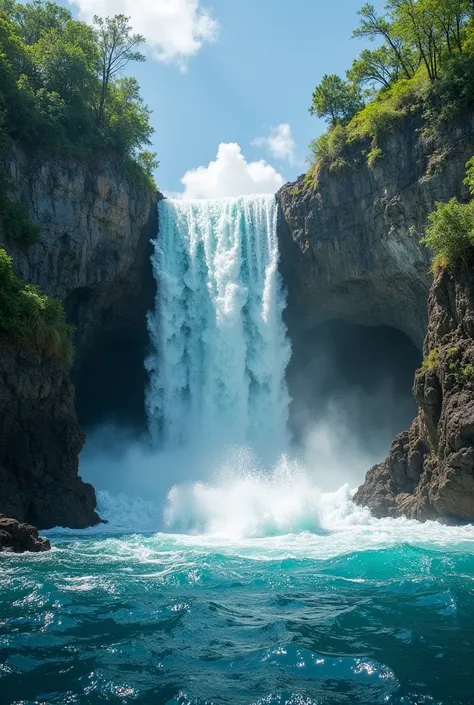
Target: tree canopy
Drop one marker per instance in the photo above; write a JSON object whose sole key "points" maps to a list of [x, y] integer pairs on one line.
{"points": [[411, 35], [62, 84], [423, 59], [335, 99]]}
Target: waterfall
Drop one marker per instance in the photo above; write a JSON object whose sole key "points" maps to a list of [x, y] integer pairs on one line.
{"points": [[219, 344]]}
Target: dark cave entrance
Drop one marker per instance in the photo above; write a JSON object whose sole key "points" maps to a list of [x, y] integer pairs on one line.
{"points": [[351, 386], [111, 383]]}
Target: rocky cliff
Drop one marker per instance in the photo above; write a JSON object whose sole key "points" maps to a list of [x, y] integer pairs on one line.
{"points": [[95, 231], [94, 255], [350, 247], [429, 472], [40, 442], [350, 252]]}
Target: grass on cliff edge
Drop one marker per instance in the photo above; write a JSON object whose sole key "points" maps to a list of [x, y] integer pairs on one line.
{"points": [[29, 317]]}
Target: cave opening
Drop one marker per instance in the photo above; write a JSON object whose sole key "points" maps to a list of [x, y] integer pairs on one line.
{"points": [[111, 383], [351, 389]]}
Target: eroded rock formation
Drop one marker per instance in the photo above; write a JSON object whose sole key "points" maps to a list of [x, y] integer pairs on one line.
{"points": [[40, 442], [94, 250], [429, 473], [350, 248]]}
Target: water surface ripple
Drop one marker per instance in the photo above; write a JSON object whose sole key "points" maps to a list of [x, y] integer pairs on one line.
{"points": [[295, 620]]}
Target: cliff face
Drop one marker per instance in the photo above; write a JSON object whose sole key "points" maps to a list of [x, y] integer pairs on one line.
{"points": [[40, 441], [429, 472], [94, 256], [95, 231], [350, 249]]}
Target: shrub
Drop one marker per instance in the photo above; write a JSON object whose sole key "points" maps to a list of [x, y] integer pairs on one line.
{"points": [[28, 316], [392, 104], [374, 154], [450, 233], [463, 373], [140, 169], [432, 361], [370, 123], [330, 149], [16, 222], [469, 180]]}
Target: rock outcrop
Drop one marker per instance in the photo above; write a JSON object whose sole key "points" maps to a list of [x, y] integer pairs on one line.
{"points": [[95, 231], [429, 473], [40, 442], [350, 248], [18, 538]]}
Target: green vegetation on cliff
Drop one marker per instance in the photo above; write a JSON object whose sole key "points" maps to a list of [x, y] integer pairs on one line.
{"points": [[450, 233], [29, 317], [423, 63], [62, 88]]}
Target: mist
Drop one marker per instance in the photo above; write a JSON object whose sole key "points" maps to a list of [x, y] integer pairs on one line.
{"points": [[351, 393], [351, 389]]}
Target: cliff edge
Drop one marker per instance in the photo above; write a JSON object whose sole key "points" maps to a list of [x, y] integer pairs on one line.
{"points": [[429, 473], [350, 246]]}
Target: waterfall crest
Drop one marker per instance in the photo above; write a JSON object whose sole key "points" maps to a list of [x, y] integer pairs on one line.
{"points": [[219, 344]]}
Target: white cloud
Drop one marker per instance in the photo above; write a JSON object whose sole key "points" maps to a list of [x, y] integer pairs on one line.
{"points": [[174, 29], [280, 143], [231, 175]]}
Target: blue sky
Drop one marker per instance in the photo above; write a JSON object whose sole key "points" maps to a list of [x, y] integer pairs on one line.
{"points": [[229, 71]]}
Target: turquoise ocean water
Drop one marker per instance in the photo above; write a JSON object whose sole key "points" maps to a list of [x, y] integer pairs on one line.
{"points": [[365, 612], [158, 618]]}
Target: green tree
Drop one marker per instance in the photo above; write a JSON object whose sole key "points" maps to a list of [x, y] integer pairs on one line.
{"points": [[117, 46], [373, 26], [60, 84], [379, 66], [414, 25], [450, 233], [127, 117], [67, 64], [449, 16], [35, 18], [148, 161], [335, 100]]}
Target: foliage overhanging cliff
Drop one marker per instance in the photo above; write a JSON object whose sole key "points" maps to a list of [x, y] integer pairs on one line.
{"points": [[423, 64]]}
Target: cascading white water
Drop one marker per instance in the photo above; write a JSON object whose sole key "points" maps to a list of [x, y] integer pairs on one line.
{"points": [[220, 349]]}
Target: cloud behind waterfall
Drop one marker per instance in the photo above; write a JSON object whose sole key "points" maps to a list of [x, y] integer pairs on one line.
{"points": [[230, 174]]}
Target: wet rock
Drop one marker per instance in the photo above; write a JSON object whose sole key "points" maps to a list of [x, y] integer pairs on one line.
{"points": [[18, 538], [94, 255]]}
